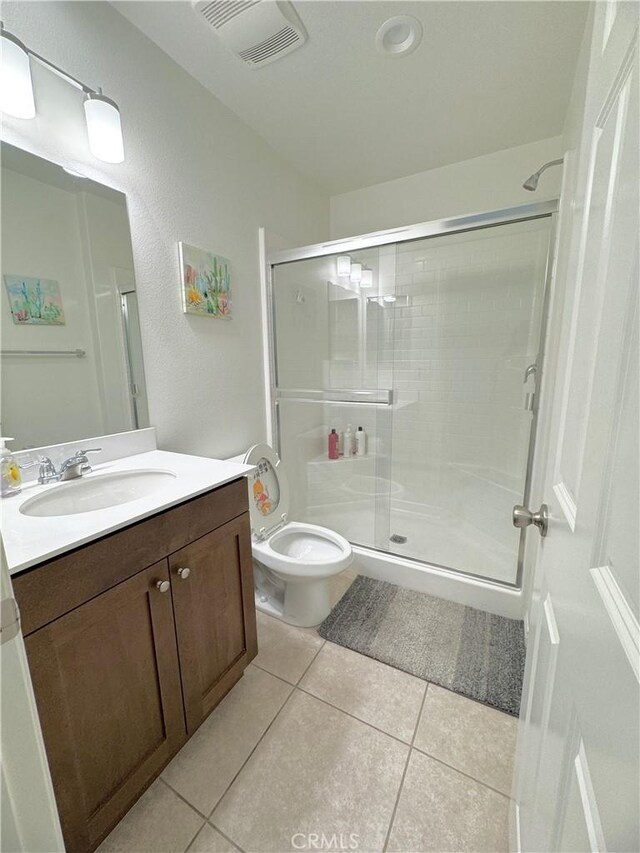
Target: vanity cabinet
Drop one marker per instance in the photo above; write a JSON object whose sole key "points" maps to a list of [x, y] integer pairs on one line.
{"points": [[128, 659], [107, 686], [209, 613]]}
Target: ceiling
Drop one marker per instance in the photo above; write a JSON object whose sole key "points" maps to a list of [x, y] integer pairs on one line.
{"points": [[487, 76]]}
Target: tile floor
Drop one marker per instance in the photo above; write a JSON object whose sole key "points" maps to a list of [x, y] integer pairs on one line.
{"points": [[316, 740]]}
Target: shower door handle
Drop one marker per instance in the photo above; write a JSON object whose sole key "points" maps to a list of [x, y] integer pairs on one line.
{"points": [[523, 517]]}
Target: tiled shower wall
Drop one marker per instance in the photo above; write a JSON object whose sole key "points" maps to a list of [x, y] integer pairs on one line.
{"points": [[460, 350], [459, 354]]}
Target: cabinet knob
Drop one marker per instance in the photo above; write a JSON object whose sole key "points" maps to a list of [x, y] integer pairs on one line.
{"points": [[184, 573], [163, 586]]}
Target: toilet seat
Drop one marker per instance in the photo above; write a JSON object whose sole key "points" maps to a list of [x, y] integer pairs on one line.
{"points": [[304, 550], [268, 491]]}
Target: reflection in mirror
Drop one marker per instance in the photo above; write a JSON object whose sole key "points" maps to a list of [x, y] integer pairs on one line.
{"points": [[71, 349]]}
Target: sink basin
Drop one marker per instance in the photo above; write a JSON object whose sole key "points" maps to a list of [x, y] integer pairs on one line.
{"points": [[97, 491]]}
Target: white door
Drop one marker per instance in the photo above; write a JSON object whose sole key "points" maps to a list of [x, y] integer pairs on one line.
{"points": [[577, 785], [28, 815]]}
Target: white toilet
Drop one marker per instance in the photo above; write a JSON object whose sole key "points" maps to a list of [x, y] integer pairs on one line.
{"points": [[292, 562]]}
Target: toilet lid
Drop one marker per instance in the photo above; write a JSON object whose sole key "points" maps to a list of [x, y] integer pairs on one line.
{"points": [[268, 490]]}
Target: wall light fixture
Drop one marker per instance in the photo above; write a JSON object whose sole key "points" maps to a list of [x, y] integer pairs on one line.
{"points": [[16, 92], [16, 98], [367, 278]]}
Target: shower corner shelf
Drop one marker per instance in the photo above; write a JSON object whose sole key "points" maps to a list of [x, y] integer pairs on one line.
{"points": [[322, 459]]}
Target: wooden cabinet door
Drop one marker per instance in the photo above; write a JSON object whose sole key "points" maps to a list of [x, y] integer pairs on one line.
{"points": [[107, 686], [215, 615]]}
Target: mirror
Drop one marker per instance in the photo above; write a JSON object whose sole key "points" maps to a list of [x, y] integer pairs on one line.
{"points": [[71, 348]]}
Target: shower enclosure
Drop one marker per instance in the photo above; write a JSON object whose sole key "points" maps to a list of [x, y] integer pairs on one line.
{"points": [[436, 353]]}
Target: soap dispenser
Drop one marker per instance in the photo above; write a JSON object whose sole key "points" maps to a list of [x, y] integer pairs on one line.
{"points": [[10, 476]]}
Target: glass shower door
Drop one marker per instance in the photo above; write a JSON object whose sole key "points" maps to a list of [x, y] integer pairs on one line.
{"points": [[465, 338], [333, 359], [435, 354]]}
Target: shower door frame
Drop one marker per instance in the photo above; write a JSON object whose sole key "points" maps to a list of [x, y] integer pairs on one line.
{"points": [[435, 228]]}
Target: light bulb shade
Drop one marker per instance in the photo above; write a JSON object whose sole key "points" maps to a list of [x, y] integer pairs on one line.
{"points": [[343, 265], [104, 128], [16, 88], [356, 273], [367, 278]]}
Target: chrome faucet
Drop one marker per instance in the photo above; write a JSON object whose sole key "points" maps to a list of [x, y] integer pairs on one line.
{"points": [[72, 468]]}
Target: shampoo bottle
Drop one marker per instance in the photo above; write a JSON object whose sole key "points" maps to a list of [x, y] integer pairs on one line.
{"points": [[349, 448], [333, 444], [340, 442], [361, 442], [10, 476]]}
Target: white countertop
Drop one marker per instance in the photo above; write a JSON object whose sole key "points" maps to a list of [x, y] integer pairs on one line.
{"points": [[31, 540]]}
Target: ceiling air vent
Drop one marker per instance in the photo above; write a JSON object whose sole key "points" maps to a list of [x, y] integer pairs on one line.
{"points": [[220, 12], [258, 31]]}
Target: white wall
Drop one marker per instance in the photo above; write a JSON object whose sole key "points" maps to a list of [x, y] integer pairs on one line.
{"points": [[193, 172], [484, 183]]}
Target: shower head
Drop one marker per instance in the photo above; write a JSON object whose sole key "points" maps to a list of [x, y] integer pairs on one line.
{"points": [[531, 183]]}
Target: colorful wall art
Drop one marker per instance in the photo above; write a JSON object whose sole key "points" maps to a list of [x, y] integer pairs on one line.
{"points": [[206, 283], [34, 301]]}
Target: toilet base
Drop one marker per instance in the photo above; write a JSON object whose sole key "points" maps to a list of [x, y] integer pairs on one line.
{"points": [[265, 606], [304, 603]]}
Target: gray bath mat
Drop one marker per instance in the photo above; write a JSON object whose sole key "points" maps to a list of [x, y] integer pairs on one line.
{"points": [[469, 651]]}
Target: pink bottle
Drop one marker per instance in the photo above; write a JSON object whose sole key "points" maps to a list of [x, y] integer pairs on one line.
{"points": [[333, 445]]}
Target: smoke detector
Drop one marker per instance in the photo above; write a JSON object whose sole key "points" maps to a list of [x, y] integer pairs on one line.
{"points": [[258, 31]]}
